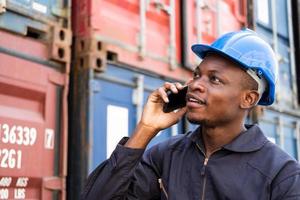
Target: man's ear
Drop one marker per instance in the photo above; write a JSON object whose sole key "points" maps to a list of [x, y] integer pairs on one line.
{"points": [[249, 99]]}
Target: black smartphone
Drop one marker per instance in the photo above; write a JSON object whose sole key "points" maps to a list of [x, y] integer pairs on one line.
{"points": [[175, 100]]}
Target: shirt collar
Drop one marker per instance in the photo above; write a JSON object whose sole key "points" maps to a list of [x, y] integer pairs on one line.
{"points": [[252, 139]]}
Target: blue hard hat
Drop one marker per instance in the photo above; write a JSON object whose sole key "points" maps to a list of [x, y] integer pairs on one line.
{"points": [[248, 50]]}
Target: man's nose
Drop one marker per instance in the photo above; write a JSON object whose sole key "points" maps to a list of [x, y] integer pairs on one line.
{"points": [[198, 85]]}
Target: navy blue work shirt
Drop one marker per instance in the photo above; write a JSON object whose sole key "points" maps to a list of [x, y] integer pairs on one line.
{"points": [[250, 167]]}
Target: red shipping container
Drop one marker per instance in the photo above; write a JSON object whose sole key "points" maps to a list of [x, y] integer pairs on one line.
{"points": [[204, 21], [145, 34], [33, 121]]}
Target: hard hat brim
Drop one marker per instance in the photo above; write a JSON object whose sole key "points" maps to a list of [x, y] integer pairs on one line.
{"points": [[201, 50]]}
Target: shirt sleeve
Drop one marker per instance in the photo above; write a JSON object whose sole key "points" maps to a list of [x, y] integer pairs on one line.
{"points": [[288, 187], [125, 175]]}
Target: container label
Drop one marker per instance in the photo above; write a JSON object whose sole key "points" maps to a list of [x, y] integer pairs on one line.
{"points": [[15, 135], [20, 135], [39, 7], [4, 194], [8, 190], [10, 158], [49, 138]]}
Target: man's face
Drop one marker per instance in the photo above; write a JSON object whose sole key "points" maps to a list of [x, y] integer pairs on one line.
{"points": [[215, 93]]}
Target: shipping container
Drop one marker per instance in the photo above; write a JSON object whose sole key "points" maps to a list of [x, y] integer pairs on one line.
{"points": [[144, 34], [278, 32], [47, 21], [35, 40], [33, 120], [273, 21], [204, 21]]}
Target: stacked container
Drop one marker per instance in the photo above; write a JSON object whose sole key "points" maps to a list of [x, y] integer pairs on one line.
{"points": [[273, 20], [35, 43], [123, 51]]}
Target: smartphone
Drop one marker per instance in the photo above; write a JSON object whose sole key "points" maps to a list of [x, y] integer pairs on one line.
{"points": [[176, 100]]}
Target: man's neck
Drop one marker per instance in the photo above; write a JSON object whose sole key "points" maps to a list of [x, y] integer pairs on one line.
{"points": [[216, 137]]}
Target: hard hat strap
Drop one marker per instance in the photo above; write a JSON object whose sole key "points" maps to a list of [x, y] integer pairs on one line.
{"points": [[261, 82]]}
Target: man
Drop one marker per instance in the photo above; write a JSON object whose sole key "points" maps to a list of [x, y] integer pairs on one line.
{"points": [[223, 158]]}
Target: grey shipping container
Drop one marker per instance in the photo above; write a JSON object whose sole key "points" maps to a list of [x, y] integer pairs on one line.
{"points": [[273, 20], [47, 21]]}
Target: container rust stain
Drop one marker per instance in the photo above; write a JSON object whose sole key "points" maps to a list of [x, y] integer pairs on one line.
{"points": [[30, 130]]}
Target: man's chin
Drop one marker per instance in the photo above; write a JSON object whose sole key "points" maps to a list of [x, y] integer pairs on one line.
{"points": [[202, 122], [195, 121]]}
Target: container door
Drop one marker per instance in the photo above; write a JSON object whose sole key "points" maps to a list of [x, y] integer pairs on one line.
{"points": [[113, 118], [31, 139], [204, 21]]}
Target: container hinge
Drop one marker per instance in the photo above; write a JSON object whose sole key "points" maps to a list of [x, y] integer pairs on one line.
{"points": [[2, 6], [61, 39], [90, 53], [54, 183]]}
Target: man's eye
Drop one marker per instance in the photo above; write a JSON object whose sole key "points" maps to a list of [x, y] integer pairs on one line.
{"points": [[196, 75], [215, 79]]}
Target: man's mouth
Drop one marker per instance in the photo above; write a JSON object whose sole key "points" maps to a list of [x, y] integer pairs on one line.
{"points": [[192, 99]]}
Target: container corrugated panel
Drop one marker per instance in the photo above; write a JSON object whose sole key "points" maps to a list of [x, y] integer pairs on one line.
{"points": [[139, 33], [282, 129], [109, 110], [33, 120], [272, 21], [204, 21]]}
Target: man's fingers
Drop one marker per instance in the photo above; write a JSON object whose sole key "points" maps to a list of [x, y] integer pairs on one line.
{"points": [[173, 87], [179, 86], [163, 94]]}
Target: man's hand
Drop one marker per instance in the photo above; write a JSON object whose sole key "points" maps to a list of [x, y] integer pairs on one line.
{"points": [[153, 118]]}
